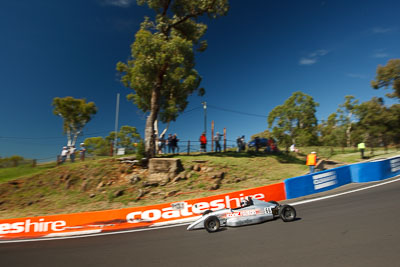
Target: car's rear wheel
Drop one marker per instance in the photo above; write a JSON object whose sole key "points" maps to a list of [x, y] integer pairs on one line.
{"points": [[212, 224], [287, 213]]}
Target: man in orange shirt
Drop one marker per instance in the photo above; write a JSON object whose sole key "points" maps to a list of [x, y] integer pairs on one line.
{"points": [[312, 161]]}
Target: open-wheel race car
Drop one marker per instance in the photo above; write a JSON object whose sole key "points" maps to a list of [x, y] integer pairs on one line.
{"points": [[251, 211]]}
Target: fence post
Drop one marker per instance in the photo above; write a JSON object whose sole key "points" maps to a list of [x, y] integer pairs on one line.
{"points": [[224, 139], [58, 160], [34, 163], [212, 136], [188, 148]]}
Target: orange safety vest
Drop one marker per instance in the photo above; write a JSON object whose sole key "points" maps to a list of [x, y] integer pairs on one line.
{"points": [[311, 159]]}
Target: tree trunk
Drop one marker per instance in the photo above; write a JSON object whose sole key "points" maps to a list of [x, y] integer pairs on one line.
{"points": [[149, 141], [348, 135], [149, 134]]}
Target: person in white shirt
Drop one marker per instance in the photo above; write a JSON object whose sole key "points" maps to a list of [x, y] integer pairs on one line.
{"points": [[64, 154]]}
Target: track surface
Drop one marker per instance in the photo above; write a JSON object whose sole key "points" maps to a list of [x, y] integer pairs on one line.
{"points": [[359, 229]]}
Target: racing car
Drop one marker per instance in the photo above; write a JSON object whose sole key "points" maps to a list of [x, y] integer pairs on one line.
{"points": [[251, 211]]}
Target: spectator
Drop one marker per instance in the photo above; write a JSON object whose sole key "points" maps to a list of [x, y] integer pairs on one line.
{"points": [[257, 143], [72, 151], [203, 142], [82, 152], [293, 148], [239, 144], [169, 143], [64, 154], [312, 161], [161, 144], [217, 139], [243, 143], [174, 142], [361, 147]]}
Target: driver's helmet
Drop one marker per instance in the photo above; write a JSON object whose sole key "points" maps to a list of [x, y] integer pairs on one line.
{"points": [[247, 201]]}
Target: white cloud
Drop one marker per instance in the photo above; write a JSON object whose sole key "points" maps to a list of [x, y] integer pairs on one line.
{"points": [[319, 53], [378, 30], [307, 61], [380, 55], [118, 3], [313, 57], [356, 75]]}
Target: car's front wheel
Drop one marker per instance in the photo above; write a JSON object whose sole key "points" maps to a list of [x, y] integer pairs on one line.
{"points": [[212, 224], [287, 213]]}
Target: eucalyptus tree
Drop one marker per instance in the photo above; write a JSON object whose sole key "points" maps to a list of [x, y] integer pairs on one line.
{"points": [[294, 121], [347, 117], [161, 68], [76, 113], [387, 76]]}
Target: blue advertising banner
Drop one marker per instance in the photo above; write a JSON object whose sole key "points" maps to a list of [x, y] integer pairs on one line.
{"points": [[333, 178], [317, 182]]}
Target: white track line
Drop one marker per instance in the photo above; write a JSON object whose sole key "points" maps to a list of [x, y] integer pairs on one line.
{"points": [[181, 224]]}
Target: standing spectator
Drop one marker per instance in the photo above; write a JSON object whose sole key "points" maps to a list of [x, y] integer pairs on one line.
{"points": [[64, 154], [203, 142], [243, 143], [217, 139], [169, 142], [361, 147], [239, 144], [72, 151], [174, 142], [257, 143], [161, 144], [82, 152], [312, 161]]}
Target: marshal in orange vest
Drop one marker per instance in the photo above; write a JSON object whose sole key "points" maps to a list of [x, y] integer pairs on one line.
{"points": [[311, 159]]}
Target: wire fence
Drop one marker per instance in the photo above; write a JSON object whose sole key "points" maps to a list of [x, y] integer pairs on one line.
{"points": [[188, 147]]}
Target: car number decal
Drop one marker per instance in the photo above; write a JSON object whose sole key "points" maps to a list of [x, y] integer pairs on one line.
{"points": [[268, 210]]}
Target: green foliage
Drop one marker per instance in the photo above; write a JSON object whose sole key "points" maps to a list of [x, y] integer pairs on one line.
{"points": [[387, 76], [161, 71], [76, 113], [140, 152], [12, 161], [346, 119], [127, 137], [373, 120], [295, 121], [264, 134], [97, 146]]}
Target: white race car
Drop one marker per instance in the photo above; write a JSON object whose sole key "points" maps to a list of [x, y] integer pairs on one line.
{"points": [[252, 211]]}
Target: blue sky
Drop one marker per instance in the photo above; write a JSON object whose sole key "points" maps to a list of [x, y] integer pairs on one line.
{"points": [[258, 55]]}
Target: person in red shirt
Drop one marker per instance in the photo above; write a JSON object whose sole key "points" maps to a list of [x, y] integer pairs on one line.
{"points": [[203, 143]]}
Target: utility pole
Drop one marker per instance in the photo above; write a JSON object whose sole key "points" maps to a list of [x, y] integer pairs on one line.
{"points": [[116, 125], [205, 116]]}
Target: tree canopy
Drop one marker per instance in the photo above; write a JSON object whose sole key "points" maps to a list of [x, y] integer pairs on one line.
{"points": [[294, 121], [161, 68], [387, 76], [76, 113]]}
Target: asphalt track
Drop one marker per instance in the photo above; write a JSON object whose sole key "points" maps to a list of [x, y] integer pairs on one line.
{"points": [[357, 229]]}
